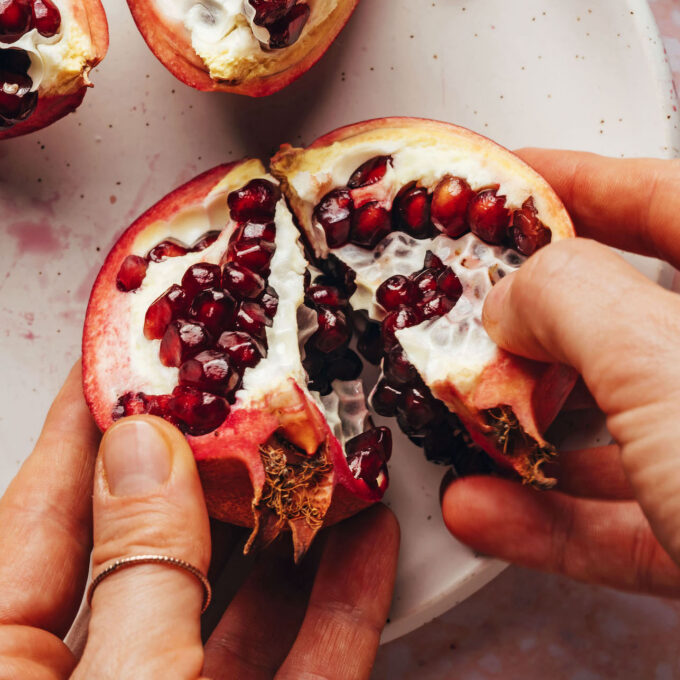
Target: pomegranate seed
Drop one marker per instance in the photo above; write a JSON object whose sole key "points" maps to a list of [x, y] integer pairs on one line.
{"points": [[181, 341], [210, 371], [333, 331], [241, 282], [345, 366], [366, 456], [15, 19], [449, 284], [449, 207], [413, 211], [435, 306], [527, 231], [131, 273], [488, 217], [325, 296], [200, 277], [398, 369], [46, 17], [169, 306], [17, 102], [417, 411], [169, 248], [395, 291], [205, 241], [340, 274], [432, 261], [370, 172], [130, 404], [215, 309], [385, 399], [315, 364], [243, 350], [270, 302], [334, 214], [252, 319], [403, 317], [265, 231], [255, 201], [198, 412], [370, 343], [426, 281], [371, 223], [252, 254], [441, 442], [269, 11], [287, 30]]}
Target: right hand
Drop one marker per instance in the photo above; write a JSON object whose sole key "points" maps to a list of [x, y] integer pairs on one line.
{"points": [[615, 516]]}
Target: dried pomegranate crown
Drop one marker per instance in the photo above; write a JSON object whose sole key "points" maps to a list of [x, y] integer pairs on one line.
{"points": [[208, 313]]}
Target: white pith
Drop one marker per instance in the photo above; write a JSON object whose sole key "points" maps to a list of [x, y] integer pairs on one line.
{"points": [[223, 35], [58, 63]]}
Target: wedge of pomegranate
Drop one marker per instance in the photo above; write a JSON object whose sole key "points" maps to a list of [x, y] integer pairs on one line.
{"points": [[47, 49], [416, 220], [252, 47]]}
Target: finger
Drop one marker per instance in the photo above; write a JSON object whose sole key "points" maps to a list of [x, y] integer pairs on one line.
{"points": [[350, 600], [45, 518], [631, 204], [147, 500], [261, 623], [602, 542]]}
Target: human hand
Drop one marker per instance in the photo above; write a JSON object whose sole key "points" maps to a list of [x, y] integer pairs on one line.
{"points": [[615, 516], [145, 620]]}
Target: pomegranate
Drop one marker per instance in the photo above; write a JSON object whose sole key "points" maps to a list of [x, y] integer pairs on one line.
{"points": [[251, 47], [245, 343], [38, 84]]}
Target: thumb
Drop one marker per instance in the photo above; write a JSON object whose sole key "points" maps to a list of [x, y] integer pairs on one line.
{"points": [[145, 619]]}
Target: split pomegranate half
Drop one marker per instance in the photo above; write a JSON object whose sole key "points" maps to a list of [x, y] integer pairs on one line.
{"points": [[47, 49], [252, 47], [209, 312]]}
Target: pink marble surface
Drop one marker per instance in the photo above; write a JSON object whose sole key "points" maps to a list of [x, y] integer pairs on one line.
{"points": [[531, 625]]}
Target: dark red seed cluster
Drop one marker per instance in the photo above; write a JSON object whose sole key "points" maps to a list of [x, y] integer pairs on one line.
{"points": [[367, 455], [284, 19], [452, 208], [212, 326], [18, 17], [17, 102]]}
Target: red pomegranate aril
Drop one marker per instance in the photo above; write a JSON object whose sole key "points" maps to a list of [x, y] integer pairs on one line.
{"points": [[170, 247], [426, 281], [252, 254], [346, 366], [333, 331], [17, 102], [198, 412], [46, 17], [413, 208], [435, 306], [215, 309], [404, 317], [370, 172], [130, 404], [210, 371], [205, 241], [334, 214], [449, 284], [395, 291], [488, 217], [255, 201], [385, 399], [269, 11], [15, 19], [241, 348], [450, 201], [527, 231], [241, 282], [370, 343], [398, 369], [370, 224], [287, 30], [131, 273], [171, 305], [432, 261], [181, 341], [258, 230], [252, 319], [201, 276], [367, 454], [325, 296], [418, 410], [270, 302]]}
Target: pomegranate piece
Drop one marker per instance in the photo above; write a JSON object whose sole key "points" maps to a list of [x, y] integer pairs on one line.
{"points": [[241, 282], [334, 214], [527, 232], [130, 404], [215, 309], [413, 212], [370, 172], [367, 454], [131, 273], [170, 247], [17, 102], [255, 201], [449, 284], [403, 317], [15, 19], [370, 343], [385, 399], [426, 281], [169, 306], [435, 306], [325, 296], [201, 276], [269, 11], [370, 224], [181, 341], [450, 201], [197, 412], [287, 30], [488, 217], [46, 17], [205, 241], [242, 349], [258, 230], [333, 331], [398, 369], [210, 371], [252, 254], [270, 302], [395, 291], [252, 318]]}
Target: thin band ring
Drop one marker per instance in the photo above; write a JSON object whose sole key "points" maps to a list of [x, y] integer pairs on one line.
{"points": [[125, 562]]}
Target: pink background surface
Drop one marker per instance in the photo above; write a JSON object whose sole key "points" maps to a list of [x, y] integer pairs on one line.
{"points": [[526, 624]]}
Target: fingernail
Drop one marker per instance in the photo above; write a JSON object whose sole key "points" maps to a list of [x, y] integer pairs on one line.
{"points": [[136, 457], [495, 301]]}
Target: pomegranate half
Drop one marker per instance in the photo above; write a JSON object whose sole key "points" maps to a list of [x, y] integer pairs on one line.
{"points": [[209, 312], [47, 49], [252, 47]]}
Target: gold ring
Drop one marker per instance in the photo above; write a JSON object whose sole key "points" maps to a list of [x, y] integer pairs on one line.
{"points": [[125, 562]]}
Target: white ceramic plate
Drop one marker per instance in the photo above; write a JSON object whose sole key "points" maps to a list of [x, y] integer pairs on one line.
{"points": [[577, 74]]}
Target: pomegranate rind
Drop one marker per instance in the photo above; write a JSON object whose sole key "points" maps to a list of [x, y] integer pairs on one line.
{"points": [[171, 45], [90, 16]]}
